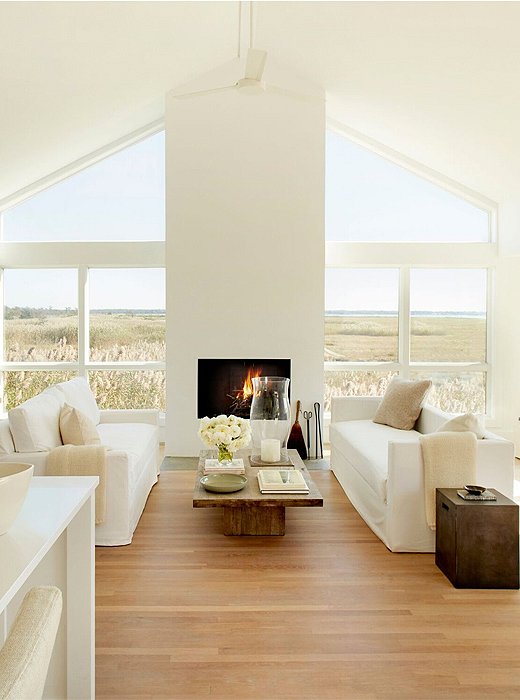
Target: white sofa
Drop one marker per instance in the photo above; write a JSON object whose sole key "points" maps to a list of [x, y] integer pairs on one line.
{"points": [[381, 470], [131, 438]]}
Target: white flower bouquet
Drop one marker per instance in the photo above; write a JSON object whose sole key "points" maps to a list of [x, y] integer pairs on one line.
{"points": [[227, 433]]}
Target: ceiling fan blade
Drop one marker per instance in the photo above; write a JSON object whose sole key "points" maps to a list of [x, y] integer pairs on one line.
{"points": [[205, 92], [255, 64]]}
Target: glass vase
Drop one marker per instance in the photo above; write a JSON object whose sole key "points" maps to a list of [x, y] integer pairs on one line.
{"points": [[270, 419], [224, 455]]}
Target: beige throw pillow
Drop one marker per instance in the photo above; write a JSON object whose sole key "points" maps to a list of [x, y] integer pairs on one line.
{"points": [[76, 428], [402, 403], [463, 423]]}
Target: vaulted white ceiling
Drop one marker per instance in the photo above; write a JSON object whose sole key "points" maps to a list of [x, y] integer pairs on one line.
{"points": [[438, 81]]}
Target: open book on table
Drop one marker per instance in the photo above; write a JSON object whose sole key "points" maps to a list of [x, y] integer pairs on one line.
{"points": [[282, 481]]}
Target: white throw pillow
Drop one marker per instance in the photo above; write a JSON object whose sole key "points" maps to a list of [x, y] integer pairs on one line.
{"points": [[35, 423], [402, 403], [76, 428], [467, 422], [77, 393]]}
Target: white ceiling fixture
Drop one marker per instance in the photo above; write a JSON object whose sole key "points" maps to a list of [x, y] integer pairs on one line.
{"points": [[251, 82], [255, 64]]}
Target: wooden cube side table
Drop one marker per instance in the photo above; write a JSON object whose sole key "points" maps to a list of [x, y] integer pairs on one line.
{"points": [[476, 542]]}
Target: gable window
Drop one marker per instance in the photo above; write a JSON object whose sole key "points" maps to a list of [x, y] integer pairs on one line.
{"points": [[84, 284], [393, 307], [119, 198], [371, 199]]}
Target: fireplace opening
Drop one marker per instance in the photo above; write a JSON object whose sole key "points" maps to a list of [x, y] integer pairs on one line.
{"points": [[225, 386]]}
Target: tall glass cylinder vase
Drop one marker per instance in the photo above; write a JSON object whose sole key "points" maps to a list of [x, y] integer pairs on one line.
{"points": [[270, 420]]}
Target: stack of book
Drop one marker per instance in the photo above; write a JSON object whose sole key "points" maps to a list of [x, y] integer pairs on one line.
{"points": [[281, 481], [213, 466]]}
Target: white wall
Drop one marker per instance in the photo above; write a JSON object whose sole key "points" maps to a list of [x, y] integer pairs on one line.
{"points": [[507, 339], [245, 242], [506, 329]]}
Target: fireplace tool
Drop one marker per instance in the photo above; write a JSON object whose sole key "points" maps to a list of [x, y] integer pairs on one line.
{"points": [[319, 442], [296, 440], [308, 415]]}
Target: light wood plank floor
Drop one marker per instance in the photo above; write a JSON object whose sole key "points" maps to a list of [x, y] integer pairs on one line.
{"points": [[324, 612]]}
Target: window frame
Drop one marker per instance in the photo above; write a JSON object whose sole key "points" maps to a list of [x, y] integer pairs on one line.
{"points": [[84, 364], [404, 366], [422, 171], [405, 256], [78, 165], [79, 255]]}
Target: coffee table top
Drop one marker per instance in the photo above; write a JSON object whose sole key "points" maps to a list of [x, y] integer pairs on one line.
{"points": [[250, 495]]}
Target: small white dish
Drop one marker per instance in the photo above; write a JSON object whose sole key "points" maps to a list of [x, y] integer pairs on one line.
{"points": [[14, 483]]}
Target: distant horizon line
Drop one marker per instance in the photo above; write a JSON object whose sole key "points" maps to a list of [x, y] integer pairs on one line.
{"points": [[419, 312], [328, 312], [73, 309]]}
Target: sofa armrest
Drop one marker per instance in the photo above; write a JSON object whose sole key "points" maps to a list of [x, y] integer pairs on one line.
{"points": [[142, 415], [495, 468], [353, 407]]}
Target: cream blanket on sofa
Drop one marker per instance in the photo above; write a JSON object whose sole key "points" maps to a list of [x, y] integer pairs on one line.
{"points": [[81, 460], [450, 461]]}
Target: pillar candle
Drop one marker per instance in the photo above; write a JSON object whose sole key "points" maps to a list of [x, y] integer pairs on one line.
{"points": [[270, 450]]}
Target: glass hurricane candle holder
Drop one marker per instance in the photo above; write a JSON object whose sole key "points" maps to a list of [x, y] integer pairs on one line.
{"points": [[270, 419]]}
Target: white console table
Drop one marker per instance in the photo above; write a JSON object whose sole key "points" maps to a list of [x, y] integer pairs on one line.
{"points": [[51, 542]]}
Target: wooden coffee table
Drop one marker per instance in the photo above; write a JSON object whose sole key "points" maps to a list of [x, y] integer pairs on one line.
{"points": [[249, 512]]}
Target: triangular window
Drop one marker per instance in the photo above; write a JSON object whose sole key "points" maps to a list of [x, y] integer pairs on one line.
{"points": [[371, 199], [120, 198]]}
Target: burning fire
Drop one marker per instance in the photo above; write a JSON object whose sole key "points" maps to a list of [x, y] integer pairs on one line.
{"points": [[247, 390]]}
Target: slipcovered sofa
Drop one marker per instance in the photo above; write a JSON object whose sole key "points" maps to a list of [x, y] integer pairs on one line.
{"points": [[381, 470], [130, 436]]}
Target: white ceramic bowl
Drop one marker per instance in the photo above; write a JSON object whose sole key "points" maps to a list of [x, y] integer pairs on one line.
{"points": [[14, 482]]}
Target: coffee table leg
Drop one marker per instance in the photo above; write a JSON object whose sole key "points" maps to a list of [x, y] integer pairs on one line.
{"points": [[254, 520]]}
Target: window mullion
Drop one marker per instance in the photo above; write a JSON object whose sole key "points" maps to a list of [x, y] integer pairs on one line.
{"points": [[404, 321], [83, 320]]}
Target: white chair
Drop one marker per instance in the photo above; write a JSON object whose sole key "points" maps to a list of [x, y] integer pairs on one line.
{"points": [[25, 656]]}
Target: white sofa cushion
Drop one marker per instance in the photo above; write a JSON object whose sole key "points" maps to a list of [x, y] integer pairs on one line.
{"points": [[365, 445], [35, 424], [6, 438], [77, 393], [76, 428]]}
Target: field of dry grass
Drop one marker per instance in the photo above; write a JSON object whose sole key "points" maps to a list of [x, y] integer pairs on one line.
{"points": [[126, 337], [121, 337], [434, 339]]}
